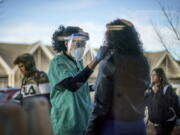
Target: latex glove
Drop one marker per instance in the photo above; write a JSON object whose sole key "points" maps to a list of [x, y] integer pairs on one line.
{"points": [[101, 53]]}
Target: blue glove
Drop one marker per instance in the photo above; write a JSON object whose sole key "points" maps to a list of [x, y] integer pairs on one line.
{"points": [[101, 53]]}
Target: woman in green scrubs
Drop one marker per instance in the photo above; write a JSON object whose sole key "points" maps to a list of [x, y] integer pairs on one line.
{"points": [[70, 99]]}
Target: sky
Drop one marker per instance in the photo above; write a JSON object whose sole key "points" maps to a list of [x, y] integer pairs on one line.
{"points": [[28, 21]]}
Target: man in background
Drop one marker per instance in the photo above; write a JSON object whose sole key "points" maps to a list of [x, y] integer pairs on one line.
{"points": [[34, 82]]}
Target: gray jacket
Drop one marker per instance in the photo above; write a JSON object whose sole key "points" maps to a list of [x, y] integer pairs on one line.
{"points": [[120, 87]]}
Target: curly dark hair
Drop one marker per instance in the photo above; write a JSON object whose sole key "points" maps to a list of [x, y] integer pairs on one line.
{"points": [[125, 41], [62, 31]]}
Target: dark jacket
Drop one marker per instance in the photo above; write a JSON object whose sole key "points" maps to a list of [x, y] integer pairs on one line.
{"points": [[120, 87], [159, 105]]}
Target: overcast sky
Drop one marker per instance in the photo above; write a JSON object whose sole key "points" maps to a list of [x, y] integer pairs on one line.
{"points": [[27, 21]]}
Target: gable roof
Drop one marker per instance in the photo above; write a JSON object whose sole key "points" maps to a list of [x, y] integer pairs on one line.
{"points": [[50, 48], [164, 60], [9, 51], [155, 57], [171, 67]]}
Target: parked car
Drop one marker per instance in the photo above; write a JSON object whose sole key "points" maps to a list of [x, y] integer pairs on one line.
{"points": [[8, 94]]}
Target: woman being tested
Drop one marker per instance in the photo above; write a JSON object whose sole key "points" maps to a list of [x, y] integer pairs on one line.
{"points": [[121, 83]]}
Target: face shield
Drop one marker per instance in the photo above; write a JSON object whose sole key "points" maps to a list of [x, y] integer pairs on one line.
{"points": [[78, 45]]}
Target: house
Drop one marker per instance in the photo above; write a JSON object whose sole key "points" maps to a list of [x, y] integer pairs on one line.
{"points": [[11, 76], [167, 62], [164, 60], [171, 66]]}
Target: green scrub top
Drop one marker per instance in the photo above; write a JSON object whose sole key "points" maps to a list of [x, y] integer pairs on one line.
{"points": [[70, 110]]}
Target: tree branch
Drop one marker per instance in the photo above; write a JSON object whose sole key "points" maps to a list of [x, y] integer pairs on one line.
{"points": [[162, 40], [175, 31]]}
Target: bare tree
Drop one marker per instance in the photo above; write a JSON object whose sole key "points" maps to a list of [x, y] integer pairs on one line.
{"points": [[1, 1], [172, 20], [160, 37]]}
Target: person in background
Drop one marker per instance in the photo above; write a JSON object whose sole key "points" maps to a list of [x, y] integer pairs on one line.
{"points": [[162, 102], [34, 82], [122, 80], [71, 104]]}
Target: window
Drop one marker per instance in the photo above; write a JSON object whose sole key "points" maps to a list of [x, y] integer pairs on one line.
{"points": [[4, 82]]}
